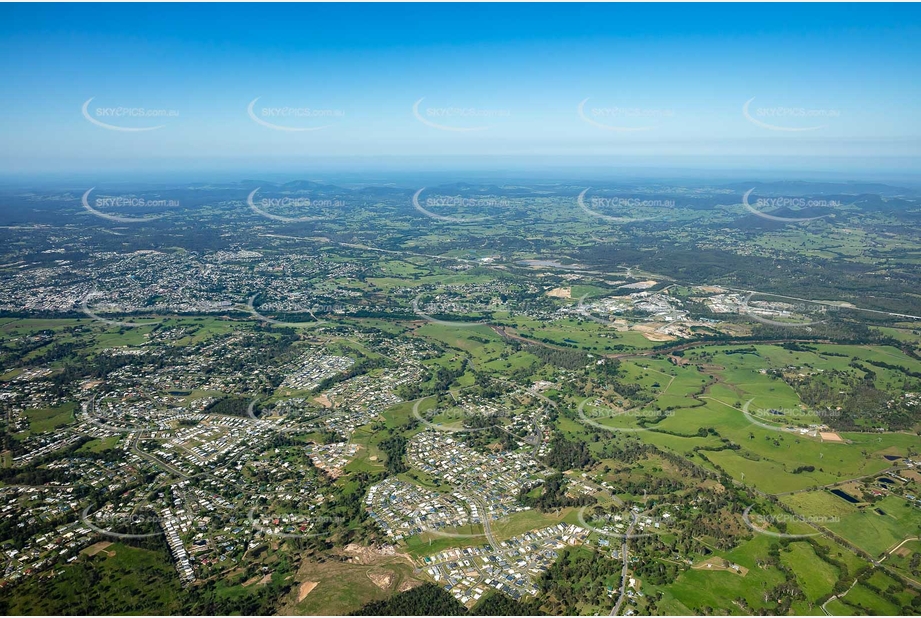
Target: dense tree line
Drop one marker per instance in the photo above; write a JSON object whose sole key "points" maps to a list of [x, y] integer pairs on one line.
{"points": [[498, 604], [488, 431], [395, 448], [813, 278], [231, 406], [363, 366], [439, 381], [425, 600], [568, 454], [553, 495], [566, 359], [852, 402], [577, 578]]}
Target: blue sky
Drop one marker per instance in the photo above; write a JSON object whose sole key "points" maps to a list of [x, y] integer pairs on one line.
{"points": [[835, 87]]}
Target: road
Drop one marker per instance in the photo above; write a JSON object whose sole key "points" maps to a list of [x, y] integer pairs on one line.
{"points": [[487, 525], [624, 576], [830, 304], [629, 273], [502, 332], [835, 597], [896, 548], [142, 453]]}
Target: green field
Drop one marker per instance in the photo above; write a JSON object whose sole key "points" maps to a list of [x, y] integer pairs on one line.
{"points": [[48, 419], [123, 579], [816, 577], [864, 527]]}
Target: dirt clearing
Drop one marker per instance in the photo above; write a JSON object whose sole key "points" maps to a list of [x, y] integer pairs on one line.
{"points": [[305, 589]]}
